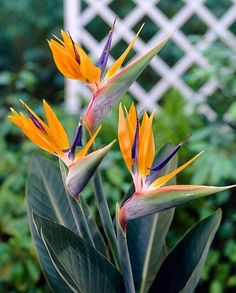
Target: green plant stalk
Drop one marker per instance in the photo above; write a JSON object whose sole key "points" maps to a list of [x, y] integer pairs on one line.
{"points": [[83, 226], [77, 211], [105, 217], [124, 257], [103, 209]]}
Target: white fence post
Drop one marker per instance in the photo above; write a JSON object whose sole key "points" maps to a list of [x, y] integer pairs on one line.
{"points": [[72, 24]]}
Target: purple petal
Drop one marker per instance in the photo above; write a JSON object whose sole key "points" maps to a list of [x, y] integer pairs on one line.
{"points": [[77, 141], [36, 122], [134, 151], [157, 169], [77, 57], [135, 144], [102, 61]]}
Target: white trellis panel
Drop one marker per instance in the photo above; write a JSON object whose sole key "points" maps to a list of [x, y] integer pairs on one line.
{"points": [[76, 20]]}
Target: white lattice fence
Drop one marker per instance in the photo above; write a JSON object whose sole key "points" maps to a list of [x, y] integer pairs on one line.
{"points": [[78, 17]]}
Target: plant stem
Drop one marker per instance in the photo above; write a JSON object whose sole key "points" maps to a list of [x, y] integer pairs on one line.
{"points": [[124, 258], [80, 220], [77, 211], [105, 217]]}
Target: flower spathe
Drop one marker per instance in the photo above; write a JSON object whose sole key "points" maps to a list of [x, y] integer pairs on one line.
{"points": [[51, 137], [138, 150]]}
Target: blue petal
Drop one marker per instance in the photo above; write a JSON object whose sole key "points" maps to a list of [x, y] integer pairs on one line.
{"points": [[157, 169], [36, 122], [77, 57], [134, 151], [102, 61], [77, 141]]}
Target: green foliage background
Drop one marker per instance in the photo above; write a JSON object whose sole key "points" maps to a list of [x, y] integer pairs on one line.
{"points": [[27, 71]]}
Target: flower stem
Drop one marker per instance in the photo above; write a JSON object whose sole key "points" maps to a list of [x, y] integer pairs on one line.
{"points": [[124, 257], [105, 217]]}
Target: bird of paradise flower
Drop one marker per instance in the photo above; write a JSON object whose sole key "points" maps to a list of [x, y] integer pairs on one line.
{"points": [[52, 137], [107, 88], [138, 150]]}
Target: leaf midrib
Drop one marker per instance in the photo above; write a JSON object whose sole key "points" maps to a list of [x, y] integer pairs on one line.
{"points": [[57, 269], [148, 254], [211, 236]]}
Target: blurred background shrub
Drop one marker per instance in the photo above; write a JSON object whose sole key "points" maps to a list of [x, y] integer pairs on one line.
{"points": [[27, 71]]}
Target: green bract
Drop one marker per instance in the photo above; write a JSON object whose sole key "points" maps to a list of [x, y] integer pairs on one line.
{"points": [[81, 172]]}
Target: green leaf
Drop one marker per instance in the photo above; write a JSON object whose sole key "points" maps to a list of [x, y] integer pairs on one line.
{"points": [[147, 246], [47, 197], [82, 171], [84, 268], [180, 272], [114, 88], [59, 266], [146, 237]]}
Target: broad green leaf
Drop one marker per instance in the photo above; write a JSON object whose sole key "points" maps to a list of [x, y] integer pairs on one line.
{"points": [[146, 237], [114, 88], [46, 196], [79, 263], [59, 266], [180, 272], [82, 171]]}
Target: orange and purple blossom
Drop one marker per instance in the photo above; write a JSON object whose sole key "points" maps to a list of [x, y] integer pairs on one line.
{"points": [[107, 86], [51, 137], [74, 63], [138, 150]]}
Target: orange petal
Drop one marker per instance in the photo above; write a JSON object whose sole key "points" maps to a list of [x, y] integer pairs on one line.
{"points": [[65, 62], [126, 137], [90, 72], [68, 43], [29, 129], [85, 149], [146, 145], [132, 117], [57, 131], [162, 180], [47, 139], [34, 114], [116, 66]]}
